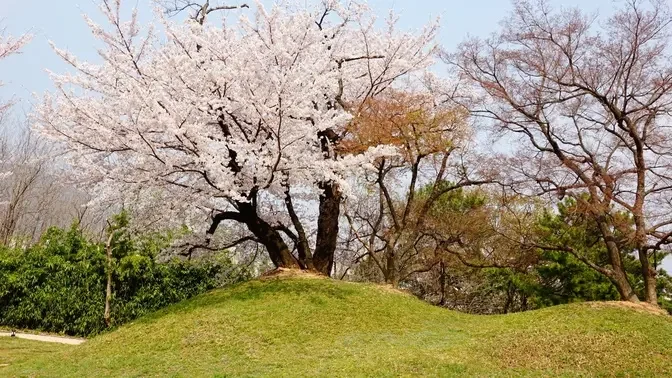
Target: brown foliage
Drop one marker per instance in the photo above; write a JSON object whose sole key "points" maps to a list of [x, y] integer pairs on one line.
{"points": [[392, 228], [412, 122]]}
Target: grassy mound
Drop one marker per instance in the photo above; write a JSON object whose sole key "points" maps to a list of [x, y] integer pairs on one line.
{"points": [[319, 327]]}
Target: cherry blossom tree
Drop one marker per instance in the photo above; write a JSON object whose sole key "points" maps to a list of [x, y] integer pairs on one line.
{"points": [[8, 46], [237, 121]]}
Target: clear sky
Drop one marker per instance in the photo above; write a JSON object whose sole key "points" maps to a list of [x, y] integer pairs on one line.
{"points": [[60, 21]]}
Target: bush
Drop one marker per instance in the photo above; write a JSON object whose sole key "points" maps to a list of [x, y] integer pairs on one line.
{"points": [[58, 285]]}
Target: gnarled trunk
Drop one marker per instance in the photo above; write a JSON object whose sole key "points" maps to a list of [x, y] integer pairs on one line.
{"points": [[276, 247]]}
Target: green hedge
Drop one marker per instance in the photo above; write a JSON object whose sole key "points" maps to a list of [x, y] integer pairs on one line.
{"points": [[58, 285]]}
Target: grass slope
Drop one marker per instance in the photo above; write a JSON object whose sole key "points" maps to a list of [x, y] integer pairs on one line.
{"points": [[318, 327]]}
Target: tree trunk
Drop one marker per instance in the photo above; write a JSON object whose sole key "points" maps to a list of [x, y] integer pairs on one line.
{"points": [[649, 275], [620, 280], [327, 228], [302, 247], [391, 274], [107, 316], [619, 277], [277, 249], [509, 298], [442, 283]]}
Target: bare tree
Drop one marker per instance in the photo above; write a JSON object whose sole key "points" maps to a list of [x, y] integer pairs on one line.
{"points": [[33, 195], [21, 157], [389, 224], [587, 105]]}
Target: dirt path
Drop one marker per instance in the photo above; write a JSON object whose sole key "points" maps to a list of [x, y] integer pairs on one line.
{"points": [[49, 339]]}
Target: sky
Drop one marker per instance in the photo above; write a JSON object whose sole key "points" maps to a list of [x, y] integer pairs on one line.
{"points": [[61, 21]]}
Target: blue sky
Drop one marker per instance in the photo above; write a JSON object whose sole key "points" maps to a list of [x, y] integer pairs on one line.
{"points": [[60, 21]]}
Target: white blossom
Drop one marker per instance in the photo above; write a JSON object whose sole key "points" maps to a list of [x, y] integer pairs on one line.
{"points": [[194, 117]]}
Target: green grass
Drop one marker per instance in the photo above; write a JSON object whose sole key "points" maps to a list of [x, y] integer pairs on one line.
{"points": [[318, 327], [16, 352]]}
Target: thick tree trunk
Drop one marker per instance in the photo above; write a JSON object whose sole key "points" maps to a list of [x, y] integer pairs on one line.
{"points": [[619, 277], [276, 247], [620, 280], [302, 247], [648, 272], [327, 228], [391, 274], [649, 275]]}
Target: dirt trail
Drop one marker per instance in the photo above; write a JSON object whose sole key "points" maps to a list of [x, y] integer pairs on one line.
{"points": [[45, 338]]}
